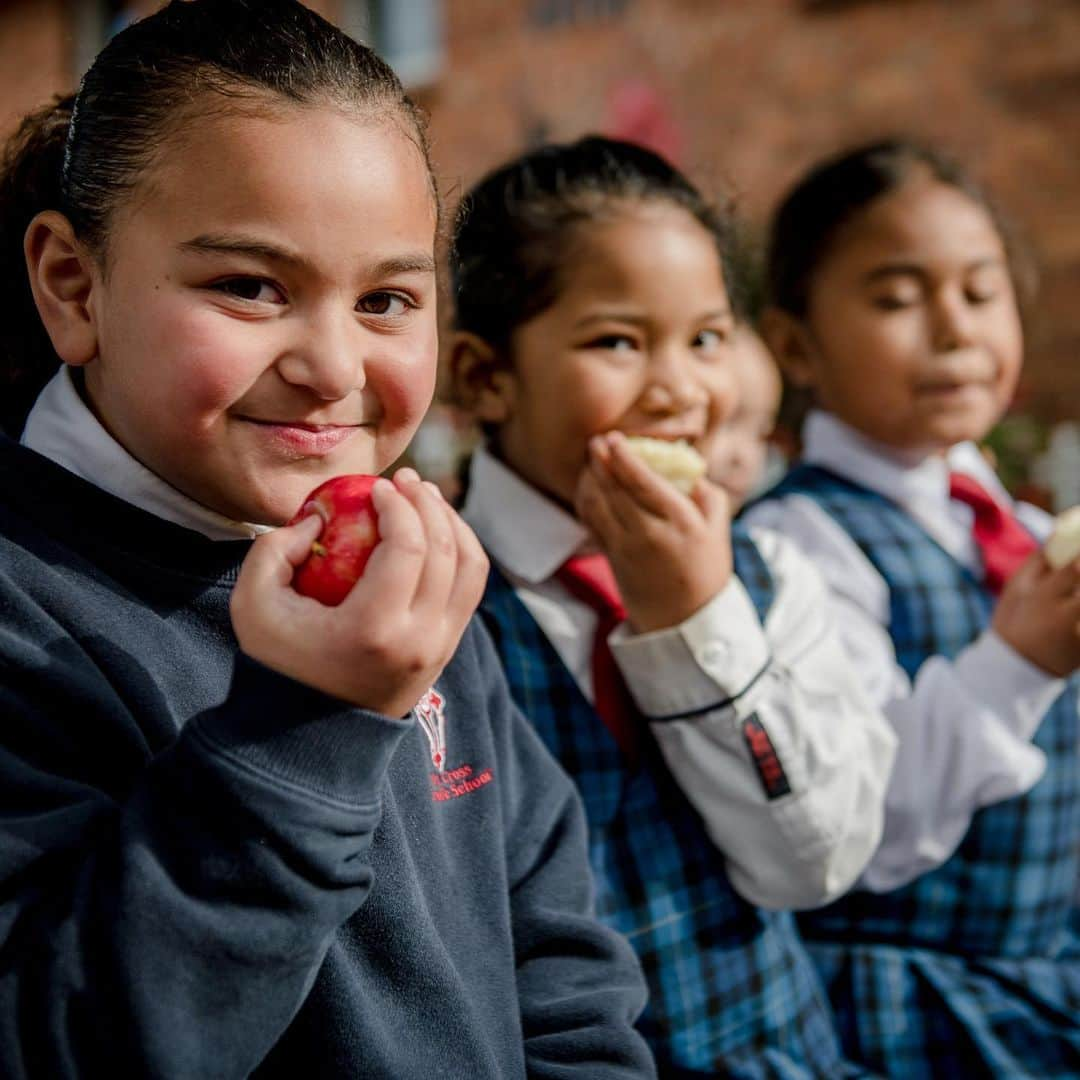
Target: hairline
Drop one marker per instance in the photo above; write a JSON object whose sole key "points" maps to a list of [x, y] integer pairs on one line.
{"points": [[238, 97]]}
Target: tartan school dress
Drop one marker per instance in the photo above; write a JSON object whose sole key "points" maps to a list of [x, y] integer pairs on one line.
{"points": [[732, 992], [973, 969]]}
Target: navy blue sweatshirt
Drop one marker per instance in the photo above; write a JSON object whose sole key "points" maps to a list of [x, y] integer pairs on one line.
{"points": [[210, 870]]}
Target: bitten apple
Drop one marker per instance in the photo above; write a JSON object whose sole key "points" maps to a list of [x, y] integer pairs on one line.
{"points": [[349, 535], [1064, 544]]}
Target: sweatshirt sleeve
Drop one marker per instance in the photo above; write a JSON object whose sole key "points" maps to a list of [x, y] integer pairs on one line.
{"points": [[580, 987], [171, 926]]}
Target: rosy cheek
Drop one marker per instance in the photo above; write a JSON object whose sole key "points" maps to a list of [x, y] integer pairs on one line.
{"points": [[196, 361], [405, 385]]}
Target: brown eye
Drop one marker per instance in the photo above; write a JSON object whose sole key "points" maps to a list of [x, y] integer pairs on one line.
{"points": [[713, 338], [250, 289], [383, 303], [612, 343]]}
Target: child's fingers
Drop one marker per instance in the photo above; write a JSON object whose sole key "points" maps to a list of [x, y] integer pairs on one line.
{"points": [[1065, 580], [274, 556], [647, 488], [593, 506], [437, 576], [1029, 575], [471, 572], [395, 566], [712, 500]]}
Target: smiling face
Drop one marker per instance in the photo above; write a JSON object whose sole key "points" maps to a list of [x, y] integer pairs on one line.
{"points": [[266, 316], [636, 341], [912, 334]]}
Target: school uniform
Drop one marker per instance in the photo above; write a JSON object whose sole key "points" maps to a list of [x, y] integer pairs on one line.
{"points": [[210, 869], [957, 955], [756, 787]]}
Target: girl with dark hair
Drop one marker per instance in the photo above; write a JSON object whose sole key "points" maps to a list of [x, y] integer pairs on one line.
{"points": [[895, 300], [677, 666], [242, 833]]}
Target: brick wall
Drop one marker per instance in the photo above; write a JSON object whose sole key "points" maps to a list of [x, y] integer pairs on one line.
{"points": [[754, 90], [746, 92]]}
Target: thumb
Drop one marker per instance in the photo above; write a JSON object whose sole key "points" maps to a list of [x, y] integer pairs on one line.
{"points": [[275, 555]]}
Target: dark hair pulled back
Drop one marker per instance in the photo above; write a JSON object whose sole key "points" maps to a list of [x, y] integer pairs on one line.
{"points": [[810, 217], [84, 154], [516, 228]]}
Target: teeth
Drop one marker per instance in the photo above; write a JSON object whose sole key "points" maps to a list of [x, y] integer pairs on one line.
{"points": [[678, 462]]}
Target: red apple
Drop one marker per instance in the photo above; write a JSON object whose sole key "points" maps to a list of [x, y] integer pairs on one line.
{"points": [[350, 533]]}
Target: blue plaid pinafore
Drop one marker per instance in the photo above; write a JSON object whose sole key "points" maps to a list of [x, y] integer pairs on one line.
{"points": [[972, 970], [732, 992]]}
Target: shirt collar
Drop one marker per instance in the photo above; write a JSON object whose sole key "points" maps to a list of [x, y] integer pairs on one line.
{"points": [[914, 479], [524, 531], [62, 428]]}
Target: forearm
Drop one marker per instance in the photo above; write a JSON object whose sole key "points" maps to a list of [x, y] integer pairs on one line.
{"points": [[788, 762], [790, 782], [957, 754], [176, 933]]}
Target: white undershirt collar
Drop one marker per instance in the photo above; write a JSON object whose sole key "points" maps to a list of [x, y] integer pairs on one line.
{"points": [[527, 534], [62, 428]]}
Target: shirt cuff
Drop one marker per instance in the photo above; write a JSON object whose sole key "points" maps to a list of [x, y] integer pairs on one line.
{"points": [[704, 663], [1013, 688]]}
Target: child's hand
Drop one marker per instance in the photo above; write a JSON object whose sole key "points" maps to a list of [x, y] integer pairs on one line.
{"points": [[671, 553], [389, 639], [1038, 614]]}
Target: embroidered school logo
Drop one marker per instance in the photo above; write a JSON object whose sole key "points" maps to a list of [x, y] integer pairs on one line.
{"points": [[771, 772], [431, 714]]}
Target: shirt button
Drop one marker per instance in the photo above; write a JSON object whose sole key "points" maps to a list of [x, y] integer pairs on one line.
{"points": [[714, 654]]}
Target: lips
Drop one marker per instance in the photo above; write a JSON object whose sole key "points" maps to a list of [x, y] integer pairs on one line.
{"points": [[666, 434], [296, 436], [952, 386]]}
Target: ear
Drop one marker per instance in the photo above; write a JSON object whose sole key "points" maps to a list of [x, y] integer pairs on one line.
{"points": [[483, 384], [61, 274], [790, 342]]}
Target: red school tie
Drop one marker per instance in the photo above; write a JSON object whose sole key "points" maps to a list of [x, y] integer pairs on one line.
{"points": [[591, 579], [1003, 541]]}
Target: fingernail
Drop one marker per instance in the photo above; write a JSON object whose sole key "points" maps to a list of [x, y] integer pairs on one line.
{"points": [[433, 488], [406, 476]]}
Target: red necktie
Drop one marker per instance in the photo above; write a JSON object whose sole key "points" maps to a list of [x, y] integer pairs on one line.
{"points": [[590, 579], [1003, 541]]}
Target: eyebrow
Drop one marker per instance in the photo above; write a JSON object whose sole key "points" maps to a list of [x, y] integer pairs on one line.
{"points": [[642, 320], [902, 269], [253, 247]]}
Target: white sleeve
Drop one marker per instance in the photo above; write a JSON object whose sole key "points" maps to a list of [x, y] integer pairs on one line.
{"points": [[964, 727], [768, 734]]}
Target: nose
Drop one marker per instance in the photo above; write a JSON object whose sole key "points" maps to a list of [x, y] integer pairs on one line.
{"points": [[953, 324], [326, 356], [675, 381]]}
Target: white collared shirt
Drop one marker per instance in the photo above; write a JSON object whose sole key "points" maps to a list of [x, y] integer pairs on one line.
{"points": [[965, 726], [62, 428], [722, 666]]}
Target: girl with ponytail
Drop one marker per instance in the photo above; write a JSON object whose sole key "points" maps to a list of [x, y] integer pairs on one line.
{"points": [[242, 833]]}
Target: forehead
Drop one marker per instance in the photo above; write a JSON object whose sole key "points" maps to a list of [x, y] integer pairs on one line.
{"points": [[643, 248], [923, 219], [309, 170]]}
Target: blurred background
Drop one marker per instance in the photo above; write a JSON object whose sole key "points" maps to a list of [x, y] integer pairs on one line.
{"points": [[743, 95]]}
